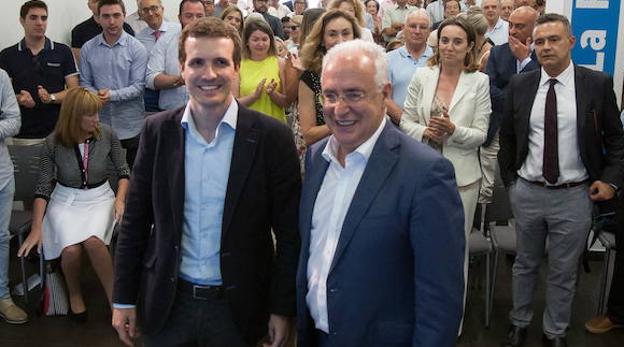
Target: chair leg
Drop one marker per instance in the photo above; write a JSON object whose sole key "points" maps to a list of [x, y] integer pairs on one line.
{"points": [[488, 303], [602, 293], [20, 240], [494, 273]]}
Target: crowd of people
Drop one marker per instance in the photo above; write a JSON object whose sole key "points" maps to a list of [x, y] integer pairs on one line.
{"points": [[274, 161]]}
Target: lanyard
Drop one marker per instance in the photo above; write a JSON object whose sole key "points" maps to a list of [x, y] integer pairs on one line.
{"points": [[85, 162]]}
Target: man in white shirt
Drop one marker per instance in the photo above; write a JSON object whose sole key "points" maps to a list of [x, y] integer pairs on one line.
{"points": [[561, 150], [377, 208], [163, 67], [498, 29]]}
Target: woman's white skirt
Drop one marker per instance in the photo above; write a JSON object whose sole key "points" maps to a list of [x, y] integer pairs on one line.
{"points": [[73, 215]]}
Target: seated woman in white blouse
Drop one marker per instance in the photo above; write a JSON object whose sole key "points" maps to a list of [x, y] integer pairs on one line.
{"points": [[448, 107], [73, 191]]}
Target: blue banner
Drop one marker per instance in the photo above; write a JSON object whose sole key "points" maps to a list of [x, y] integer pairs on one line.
{"points": [[595, 25]]}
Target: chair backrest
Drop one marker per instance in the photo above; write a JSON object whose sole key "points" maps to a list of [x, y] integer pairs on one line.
{"points": [[26, 163], [500, 208]]}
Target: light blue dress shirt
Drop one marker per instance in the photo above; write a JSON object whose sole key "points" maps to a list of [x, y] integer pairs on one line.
{"points": [[207, 168], [9, 126], [148, 39], [401, 68], [164, 59], [119, 67]]}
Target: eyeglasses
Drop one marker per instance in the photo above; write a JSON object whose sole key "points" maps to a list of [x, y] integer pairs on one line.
{"points": [[153, 9], [350, 97]]}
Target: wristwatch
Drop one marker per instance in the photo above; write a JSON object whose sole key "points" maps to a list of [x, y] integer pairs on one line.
{"points": [[52, 99]]}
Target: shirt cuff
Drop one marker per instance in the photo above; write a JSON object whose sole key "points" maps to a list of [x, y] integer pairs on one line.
{"points": [[123, 306], [524, 63]]}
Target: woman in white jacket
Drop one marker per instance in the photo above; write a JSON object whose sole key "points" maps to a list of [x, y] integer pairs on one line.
{"points": [[448, 107]]}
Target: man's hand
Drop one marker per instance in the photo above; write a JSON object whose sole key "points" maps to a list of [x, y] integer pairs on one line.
{"points": [[278, 331], [520, 50], [124, 321], [25, 99], [600, 191], [104, 95], [44, 96]]}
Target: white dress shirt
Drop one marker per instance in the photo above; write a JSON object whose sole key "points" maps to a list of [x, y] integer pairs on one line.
{"points": [[571, 168], [331, 206], [499, 33]]}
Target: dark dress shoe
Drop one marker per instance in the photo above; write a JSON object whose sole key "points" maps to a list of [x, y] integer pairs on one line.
{"points": [[554, 342], [515, 337], [78, 317]]}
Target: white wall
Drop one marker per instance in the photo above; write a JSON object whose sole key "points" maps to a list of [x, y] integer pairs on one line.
{"points": [[63, 15]]}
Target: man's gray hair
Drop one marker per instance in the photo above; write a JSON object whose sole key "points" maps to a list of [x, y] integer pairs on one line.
{"points": [[354, 48], [418, 11]]}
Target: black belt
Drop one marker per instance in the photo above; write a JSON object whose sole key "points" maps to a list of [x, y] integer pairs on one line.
{"points": [[560, 186], [198, 291]]}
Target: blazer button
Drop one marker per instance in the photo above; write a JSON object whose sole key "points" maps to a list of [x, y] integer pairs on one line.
{"points": [[172, 279], [333, 290]]}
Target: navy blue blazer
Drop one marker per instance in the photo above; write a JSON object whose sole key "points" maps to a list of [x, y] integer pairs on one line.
{"points": [[397, 274], [501, 66]]}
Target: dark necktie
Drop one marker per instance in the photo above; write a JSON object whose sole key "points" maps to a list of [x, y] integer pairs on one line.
{"points": [[156, 34], [550, 165]]}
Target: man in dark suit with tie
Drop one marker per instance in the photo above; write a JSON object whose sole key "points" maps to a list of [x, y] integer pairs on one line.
{"points": [[381, 221], [210, 182], [561, 150], [513, 57]]}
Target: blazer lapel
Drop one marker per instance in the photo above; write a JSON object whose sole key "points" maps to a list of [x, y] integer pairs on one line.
{"points": [[462, 88], [245, 144], [173, 144], [429, 88], [315, 173], [582, 103], [379, 166]]}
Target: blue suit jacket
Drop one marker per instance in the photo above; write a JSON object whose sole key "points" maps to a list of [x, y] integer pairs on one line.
{"points": [[501, 66], [397, 274]]}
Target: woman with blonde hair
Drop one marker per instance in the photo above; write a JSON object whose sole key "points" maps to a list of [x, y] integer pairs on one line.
{"points": [[448, 107], [332, 28], [75, 209], [234, 17], [262, 72], [356, 9]]}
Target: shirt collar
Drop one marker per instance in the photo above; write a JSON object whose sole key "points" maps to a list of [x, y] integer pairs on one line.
{"points": [[122, 41], [230, 118], [48, 45], [330, 153], [499, 23], [164, 26], [565, 77], [428, 52]]}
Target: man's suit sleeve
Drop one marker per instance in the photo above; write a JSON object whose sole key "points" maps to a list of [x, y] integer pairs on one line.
{"points": [[496, 94], [136, 224], [507, 139], [438, 241], [285, 190], [613, 137]]}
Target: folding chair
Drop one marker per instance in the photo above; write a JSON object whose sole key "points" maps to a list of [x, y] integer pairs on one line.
{"points": [[26, 172], [480, 245]]}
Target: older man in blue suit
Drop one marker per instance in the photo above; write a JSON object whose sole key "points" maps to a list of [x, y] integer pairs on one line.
{"points": [[514, 57], [381, 221]]}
